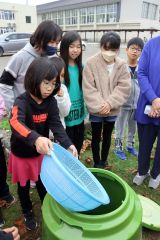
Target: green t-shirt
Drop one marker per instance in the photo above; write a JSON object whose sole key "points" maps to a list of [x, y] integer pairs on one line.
{"points": [[77, 113]]}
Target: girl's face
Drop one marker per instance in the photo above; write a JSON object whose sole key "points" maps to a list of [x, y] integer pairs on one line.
{"points": [[62, 75], [74, 50], [47, 87]]}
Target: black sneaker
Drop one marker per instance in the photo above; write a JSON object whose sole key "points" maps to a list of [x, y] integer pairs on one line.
{"points": [[10, 200], [30, 221]]}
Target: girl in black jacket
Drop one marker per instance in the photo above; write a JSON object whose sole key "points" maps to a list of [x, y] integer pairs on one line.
{"points": [[35, 113]]}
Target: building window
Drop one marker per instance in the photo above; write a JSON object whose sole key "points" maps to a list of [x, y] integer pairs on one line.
{"points": [[107, 13], [87, 15], [7, 15], [149, 10], [101, 14], [71, 17], [28, 19], [44, 17], [57, 17], [152, 11], [111, 13]]}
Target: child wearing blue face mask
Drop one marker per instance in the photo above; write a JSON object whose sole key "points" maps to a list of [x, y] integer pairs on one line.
{"points": [[51, 48], [44, 41], [106, 86]]}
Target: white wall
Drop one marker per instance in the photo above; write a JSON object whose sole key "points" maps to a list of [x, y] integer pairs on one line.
{"points": [[131, 12], [21, 11]]}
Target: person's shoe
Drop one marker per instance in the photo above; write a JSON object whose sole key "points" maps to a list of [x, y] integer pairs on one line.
{"points": [[9, 200], [120, 154], [30, 221], [97, 165], [154, 183], [138, 180], [132, 151], [106, 165]]}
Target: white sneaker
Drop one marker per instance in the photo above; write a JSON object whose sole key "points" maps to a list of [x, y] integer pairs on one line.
{"points": [[138, 180], [154, 183]]}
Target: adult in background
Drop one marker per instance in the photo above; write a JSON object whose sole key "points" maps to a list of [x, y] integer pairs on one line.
{"points": [[43, 42], [148, 118], [106, 87]]}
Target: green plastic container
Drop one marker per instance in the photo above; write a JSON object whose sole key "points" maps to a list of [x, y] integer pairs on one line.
{"points": [[119, 220]]}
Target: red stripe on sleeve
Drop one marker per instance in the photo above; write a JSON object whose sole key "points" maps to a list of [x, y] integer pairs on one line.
{"points": [[17, 125]]}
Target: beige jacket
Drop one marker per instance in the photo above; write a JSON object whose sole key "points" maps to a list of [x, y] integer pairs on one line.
{"points": [[99, 87]]}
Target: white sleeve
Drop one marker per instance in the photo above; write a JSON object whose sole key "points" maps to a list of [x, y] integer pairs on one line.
{"points": [[64, 103], [8, 95]]}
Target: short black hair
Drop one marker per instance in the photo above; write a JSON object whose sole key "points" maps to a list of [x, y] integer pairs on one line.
{"points": [[41, 68], [110, 40], [67, 40], [45, 32], [136, 41]]}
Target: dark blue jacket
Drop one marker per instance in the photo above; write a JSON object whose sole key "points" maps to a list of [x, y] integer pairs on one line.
{"points": [[149, 79]]}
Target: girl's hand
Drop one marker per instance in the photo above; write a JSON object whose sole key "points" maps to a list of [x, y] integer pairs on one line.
{"points": [[73, 150], [13, 231], [105, 109], [60, 93], [43, 145]]}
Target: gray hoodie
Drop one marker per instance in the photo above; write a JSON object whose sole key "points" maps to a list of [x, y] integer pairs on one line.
{"points": [[17, 67], [131, 103]]}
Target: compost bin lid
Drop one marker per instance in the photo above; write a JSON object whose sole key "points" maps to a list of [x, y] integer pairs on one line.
{"points": [[151, 213]]}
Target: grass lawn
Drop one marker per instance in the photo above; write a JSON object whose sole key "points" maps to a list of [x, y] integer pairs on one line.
{"points": [[125, 169]]}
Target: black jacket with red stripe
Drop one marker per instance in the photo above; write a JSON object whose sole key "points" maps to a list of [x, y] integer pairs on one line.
{"points": [[30, 120]]}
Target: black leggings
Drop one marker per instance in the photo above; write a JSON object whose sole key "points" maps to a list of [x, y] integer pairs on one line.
{"points": [[24, 196], [106, 141], [4, 189], [76, 134]]}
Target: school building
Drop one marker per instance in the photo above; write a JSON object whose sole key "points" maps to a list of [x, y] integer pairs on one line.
{"points": [[102, 14], [17, 18]]}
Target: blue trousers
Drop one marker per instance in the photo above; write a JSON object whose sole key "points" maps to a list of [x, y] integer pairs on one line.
{"points": [[148, 134]]}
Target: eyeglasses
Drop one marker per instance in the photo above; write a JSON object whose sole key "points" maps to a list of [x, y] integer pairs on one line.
{"points": [[52, 85], [133, 49]]}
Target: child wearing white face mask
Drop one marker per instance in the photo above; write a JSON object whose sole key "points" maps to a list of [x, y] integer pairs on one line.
{"points": [[106, 87]]}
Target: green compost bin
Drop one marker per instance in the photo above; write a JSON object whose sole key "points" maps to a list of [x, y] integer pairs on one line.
{"points": [[119, 220]]}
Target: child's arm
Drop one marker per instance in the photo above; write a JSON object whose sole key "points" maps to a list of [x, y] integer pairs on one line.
{"points": [[56, 126], [18, 123], [2, 107], [121, 91], [63, 102], [92, 96]]}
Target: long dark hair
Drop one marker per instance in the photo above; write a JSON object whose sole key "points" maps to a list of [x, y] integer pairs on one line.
{"points": [[45, 32], [67, 40]]}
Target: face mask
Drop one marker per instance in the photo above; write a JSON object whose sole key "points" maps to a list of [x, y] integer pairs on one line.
{"points": [[51, 50], [108, 55]]}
